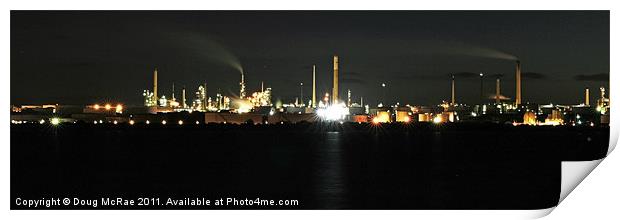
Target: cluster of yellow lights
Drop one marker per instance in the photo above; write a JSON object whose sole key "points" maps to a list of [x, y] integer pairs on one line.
{"points": [[385, 119], [107, 107]]}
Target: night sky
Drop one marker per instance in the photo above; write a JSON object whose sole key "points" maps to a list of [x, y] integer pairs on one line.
{"points": [[96, 56]]}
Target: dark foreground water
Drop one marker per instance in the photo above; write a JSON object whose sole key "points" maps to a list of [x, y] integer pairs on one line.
{"points": [[322, 166]]}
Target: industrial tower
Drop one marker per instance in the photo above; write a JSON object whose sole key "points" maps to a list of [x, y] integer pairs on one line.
{"points": [[518, 79], [313, 86], [335, 88]]}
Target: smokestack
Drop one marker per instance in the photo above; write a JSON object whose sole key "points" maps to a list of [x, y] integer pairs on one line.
{"points": [[349, 98], [204, 101], [183, 98], [587, 97], [313, 86], [518, 79], [481, 88], [242, 86], [452, 100], [155, 86], [497, 91], [301, 93], [335, 88]]}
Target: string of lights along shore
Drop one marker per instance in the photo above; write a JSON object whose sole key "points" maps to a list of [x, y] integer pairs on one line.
{"points": [[258, 107]]}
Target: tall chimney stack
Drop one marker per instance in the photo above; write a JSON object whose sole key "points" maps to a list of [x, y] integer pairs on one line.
{"points": [[482, 99], [313, 86], [587, 97], [241, 87], [518, 79], [155, 86], [497, 91], [183, 98], [349, 98], [452, 100], [205, 98], [335, 88]]}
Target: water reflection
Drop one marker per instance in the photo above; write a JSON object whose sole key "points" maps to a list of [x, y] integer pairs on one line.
{"points": [[329, 172]]}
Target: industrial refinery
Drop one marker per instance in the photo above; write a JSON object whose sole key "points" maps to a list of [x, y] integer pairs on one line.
{"points": [[302, 110], [203, 106]]}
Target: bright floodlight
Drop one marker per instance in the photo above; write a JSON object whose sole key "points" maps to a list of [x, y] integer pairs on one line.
{"points": [[333, 112], [437, 119], [375, 120], [55, 121], [108, 106]]}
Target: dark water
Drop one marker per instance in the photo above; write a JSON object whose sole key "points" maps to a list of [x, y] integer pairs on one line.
{"points": [[323, 166]]}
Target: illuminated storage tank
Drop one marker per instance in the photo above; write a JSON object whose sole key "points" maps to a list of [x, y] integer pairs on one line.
{"points": [[382, 117], [448, 116], [359, 118], [555, 118], [443, 117], [402, 116], [103, 109], [425, 117], [529, 118]]}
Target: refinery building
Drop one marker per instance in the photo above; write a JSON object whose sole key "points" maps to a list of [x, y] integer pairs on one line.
{"points": [[256, 107]]}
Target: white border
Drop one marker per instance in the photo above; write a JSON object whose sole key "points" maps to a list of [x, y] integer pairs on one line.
{"points": [[597, 201]]}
